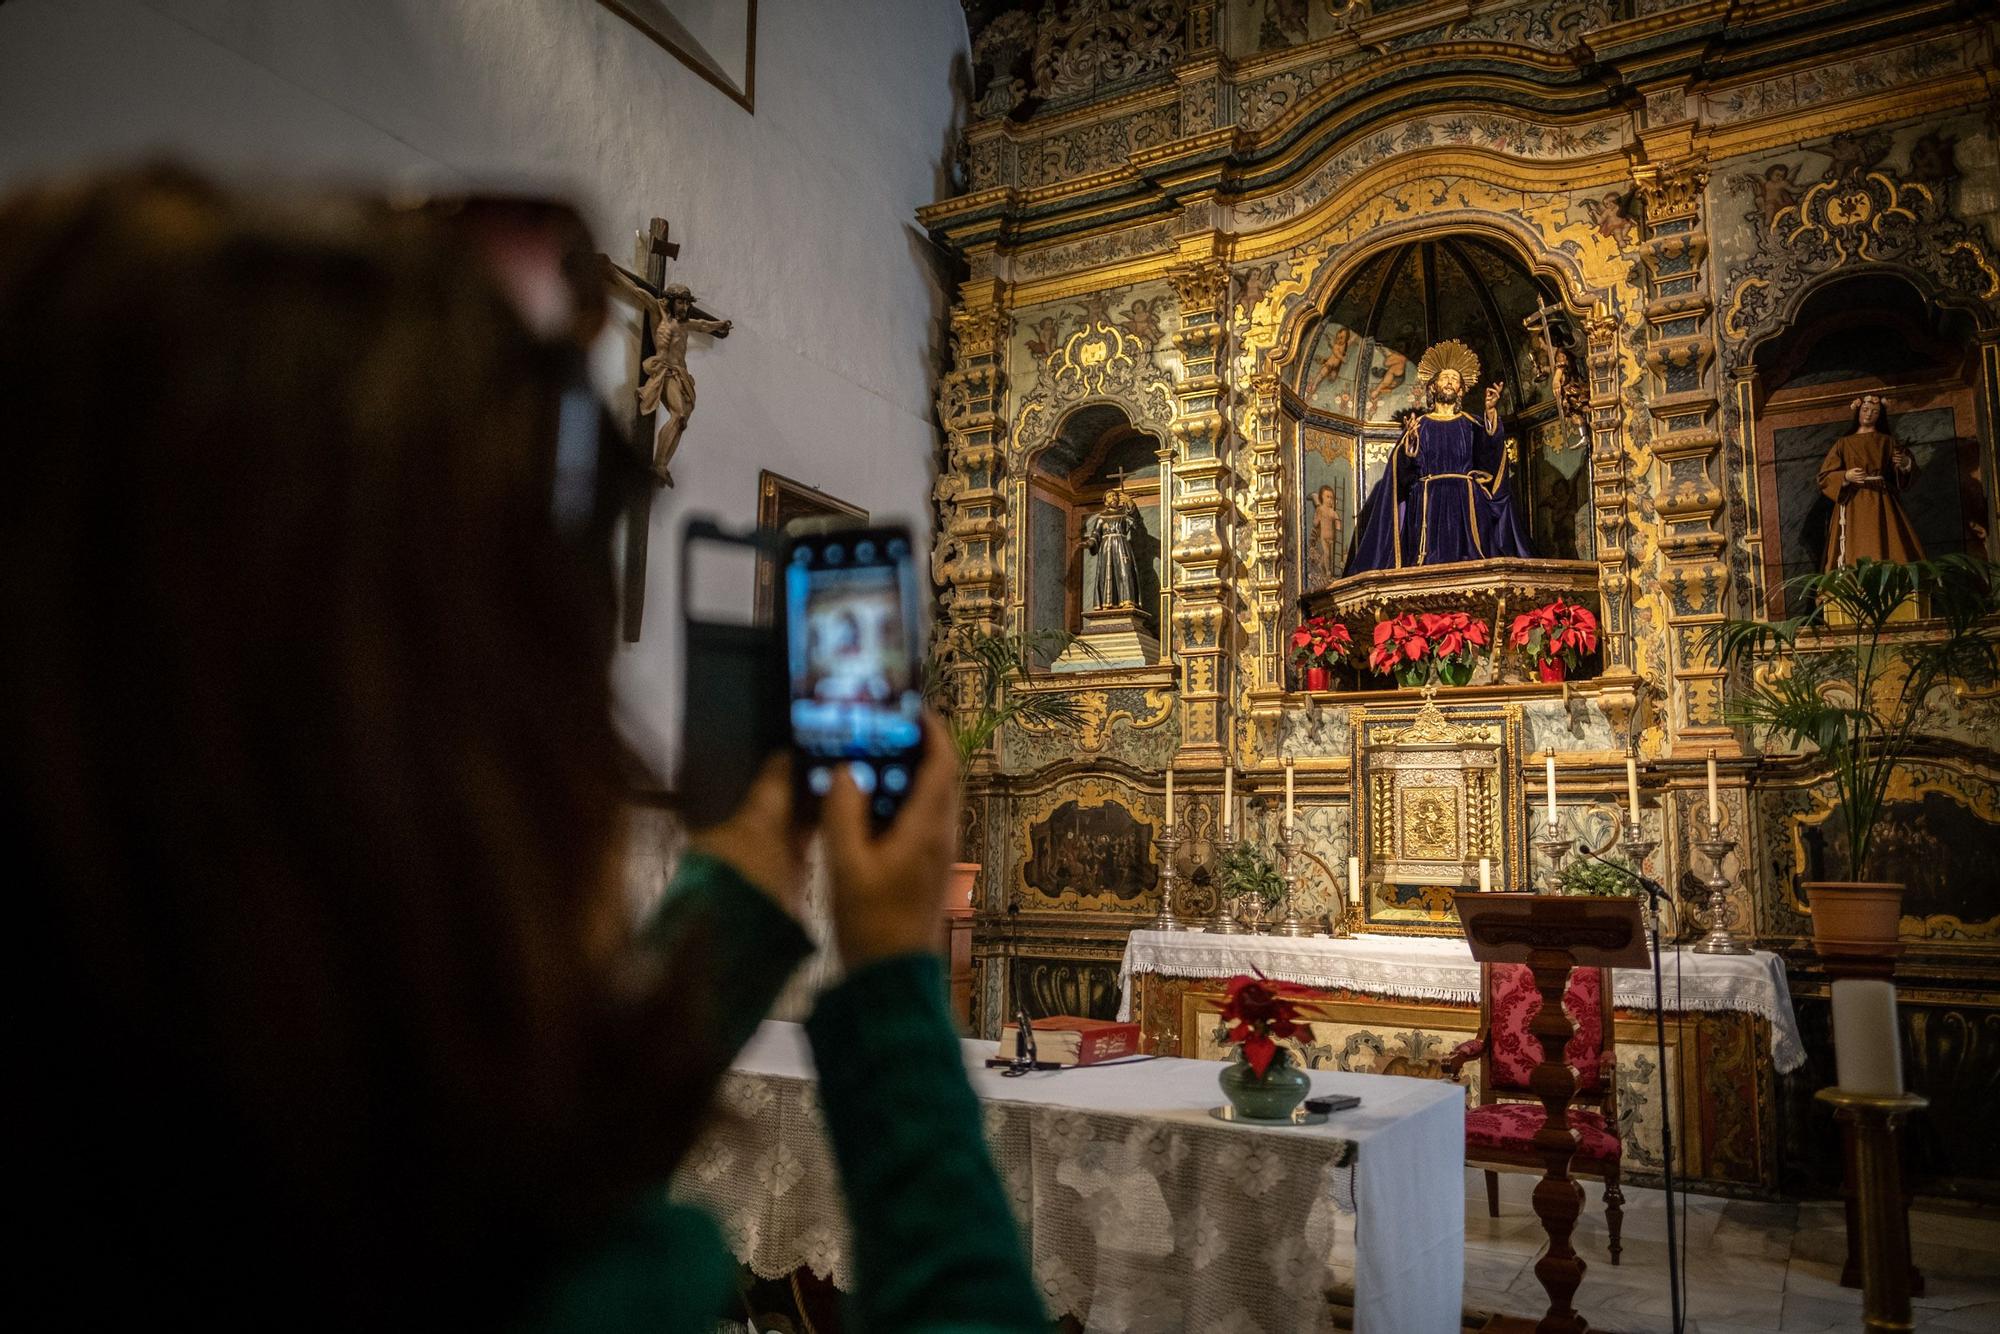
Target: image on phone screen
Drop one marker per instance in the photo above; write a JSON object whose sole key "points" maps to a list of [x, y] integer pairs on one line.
{"points": [[852, 646]]}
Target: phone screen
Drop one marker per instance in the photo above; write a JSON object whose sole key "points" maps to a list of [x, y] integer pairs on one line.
{"points": [[853, 645]]}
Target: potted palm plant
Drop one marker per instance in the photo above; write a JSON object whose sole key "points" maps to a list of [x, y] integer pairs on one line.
{"points": [[1836, 679], [978, 702]]}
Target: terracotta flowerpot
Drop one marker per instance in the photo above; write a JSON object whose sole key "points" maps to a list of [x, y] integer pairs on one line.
{"points": [[1319, 678], [964, 881], [1553, 669], [1855, 918]]}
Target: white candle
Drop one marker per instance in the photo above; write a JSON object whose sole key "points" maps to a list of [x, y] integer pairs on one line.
{"points": [[1714, 805], [1485, 875], [1170, 798], [1354, 880], [1632, 786], [1228, 798], [1867, 1052], [1290, 769], [1551, 771]]}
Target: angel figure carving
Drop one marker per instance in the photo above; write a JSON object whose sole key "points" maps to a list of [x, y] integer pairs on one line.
{"points": [[1770, 194], [666, 382]]}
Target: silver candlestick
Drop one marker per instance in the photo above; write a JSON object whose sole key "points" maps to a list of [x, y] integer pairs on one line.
{"points": [[1222, 922], [1554, 849], [1293, 923], [1632, 838], [1717, 912], [1170, 881]]}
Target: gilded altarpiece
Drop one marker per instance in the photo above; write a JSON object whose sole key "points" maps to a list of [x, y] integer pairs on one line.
{"points": [[1158, 209]]}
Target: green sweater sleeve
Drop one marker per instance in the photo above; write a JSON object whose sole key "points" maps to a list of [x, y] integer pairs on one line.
{"points": [[745, 945], [935, 1245]]}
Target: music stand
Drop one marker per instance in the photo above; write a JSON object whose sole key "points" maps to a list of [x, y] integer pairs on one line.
{"points": [[1552, 934]]}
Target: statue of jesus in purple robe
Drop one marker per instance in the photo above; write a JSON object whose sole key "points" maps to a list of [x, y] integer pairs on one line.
{"points": [[1445, 496]]}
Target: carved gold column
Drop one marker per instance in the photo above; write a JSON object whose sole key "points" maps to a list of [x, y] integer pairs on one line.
{"points": [[972, 521], [1263, 452], [1686, 405], [1200, 504]]}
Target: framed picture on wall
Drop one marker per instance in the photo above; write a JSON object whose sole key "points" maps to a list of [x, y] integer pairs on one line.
{"points": [[783, 505], [717, 39]]}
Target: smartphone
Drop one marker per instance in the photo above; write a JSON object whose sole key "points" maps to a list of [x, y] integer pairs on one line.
{"points": [[853, 621]]}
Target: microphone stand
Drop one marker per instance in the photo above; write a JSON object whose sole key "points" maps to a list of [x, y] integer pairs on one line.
{"points": [[1637, 846]]}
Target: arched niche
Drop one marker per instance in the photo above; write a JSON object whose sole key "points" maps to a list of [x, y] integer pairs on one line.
{"points": [[1874, 330], [1095, 449], [1354, 379]]}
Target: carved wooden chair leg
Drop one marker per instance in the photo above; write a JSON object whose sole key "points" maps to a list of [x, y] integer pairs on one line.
{"points": [[1614, 1209], [1492, 1194]]}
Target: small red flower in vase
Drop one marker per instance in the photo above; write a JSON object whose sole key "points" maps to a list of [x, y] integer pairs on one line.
{"points": [[1556, 637], [1418, 646], [1317, 644], [1258, 1015]]}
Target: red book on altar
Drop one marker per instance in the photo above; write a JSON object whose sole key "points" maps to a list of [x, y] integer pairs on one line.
{"points": [[1067, 1039]]}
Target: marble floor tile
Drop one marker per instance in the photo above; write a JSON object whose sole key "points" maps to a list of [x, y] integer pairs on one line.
{"points": [[1809, 1315], [1983, 1317], [1977, 1232], [1495, 1271]]}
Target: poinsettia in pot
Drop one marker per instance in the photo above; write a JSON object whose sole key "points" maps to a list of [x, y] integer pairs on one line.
{"points": [[1857, 692], [1417, 646], [1263, 1084], [1317, 645], [1556, 637]]}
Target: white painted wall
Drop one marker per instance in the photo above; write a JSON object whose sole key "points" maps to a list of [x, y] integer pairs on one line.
{"points": [[796, 222]]}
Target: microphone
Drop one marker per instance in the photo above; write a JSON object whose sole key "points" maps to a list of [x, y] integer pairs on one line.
{"points": [[1645, 882], [1024, 1043]]}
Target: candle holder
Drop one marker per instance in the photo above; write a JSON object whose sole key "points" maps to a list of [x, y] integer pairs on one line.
{"points": [[1170, 882], [1345, 920], [1632, 839], [1222, 922], [1293, 923], [1717, 913], [1555, 849]]}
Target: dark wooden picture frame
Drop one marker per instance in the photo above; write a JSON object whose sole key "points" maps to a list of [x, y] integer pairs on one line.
{"points": [[653, 18], [782, 502]]}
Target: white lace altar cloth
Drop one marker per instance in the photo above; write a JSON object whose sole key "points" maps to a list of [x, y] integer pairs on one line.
{"points": [[1436, 968], [1141, 1212]]}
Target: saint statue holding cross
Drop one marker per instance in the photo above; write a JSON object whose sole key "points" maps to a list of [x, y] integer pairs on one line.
{"points": [[1113, 534], [1445, 496]]}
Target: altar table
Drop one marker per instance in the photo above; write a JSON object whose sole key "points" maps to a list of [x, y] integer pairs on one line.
{"points": [[1141, 1212], [1399, 1004]]}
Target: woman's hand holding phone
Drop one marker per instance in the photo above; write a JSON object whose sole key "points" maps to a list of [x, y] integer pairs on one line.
{"points": [[889, 887], [761, 841]]}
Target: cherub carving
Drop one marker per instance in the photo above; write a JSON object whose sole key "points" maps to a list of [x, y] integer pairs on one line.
{"points": [[1336, 357], [1771, 193], [1609, 217], [1142, 321], [1254, 283], [667, 382], [1044, 340], [1855, 155]]}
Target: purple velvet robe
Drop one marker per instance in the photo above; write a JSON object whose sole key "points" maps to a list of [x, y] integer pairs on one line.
{"points": [[1445, 497]]}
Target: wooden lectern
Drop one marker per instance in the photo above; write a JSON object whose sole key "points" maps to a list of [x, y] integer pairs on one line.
{"points": [[1553, 933]]}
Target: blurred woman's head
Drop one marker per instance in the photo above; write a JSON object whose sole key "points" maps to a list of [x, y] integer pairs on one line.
{"points": [[304, 733]]}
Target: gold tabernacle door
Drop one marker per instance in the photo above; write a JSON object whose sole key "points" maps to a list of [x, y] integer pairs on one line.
{"points": [[1437, 788]]}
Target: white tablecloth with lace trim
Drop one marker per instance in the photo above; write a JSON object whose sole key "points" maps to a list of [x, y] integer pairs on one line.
{"points": [[1435, 968], [1141, 1212]]}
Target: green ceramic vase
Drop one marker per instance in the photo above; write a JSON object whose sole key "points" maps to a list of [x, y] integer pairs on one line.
{"points": [[1455, 672], [1272, 1098]]}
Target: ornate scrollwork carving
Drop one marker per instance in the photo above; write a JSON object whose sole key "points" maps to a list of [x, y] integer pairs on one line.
{"points": [[1083, 44]]}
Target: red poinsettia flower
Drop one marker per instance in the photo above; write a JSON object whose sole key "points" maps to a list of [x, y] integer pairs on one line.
{"points": [[1561, 630], [1260, 1015], [1318, 642]]}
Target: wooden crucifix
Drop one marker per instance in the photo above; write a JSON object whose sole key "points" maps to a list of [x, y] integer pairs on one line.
{"points": [[664, 382]]}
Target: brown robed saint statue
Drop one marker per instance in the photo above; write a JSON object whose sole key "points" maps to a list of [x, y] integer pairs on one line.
{"points": [[1864, 475]]}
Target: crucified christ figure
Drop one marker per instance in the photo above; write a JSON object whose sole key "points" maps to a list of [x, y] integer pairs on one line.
{"points": [[666, 380]]}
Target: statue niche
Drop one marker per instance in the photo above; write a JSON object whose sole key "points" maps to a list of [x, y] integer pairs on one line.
{"points": [[1093, 539], [1443, 462], [1868, 441]]}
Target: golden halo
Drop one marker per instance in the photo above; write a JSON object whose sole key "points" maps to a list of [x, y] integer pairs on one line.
{"points": [[1450, 355]]}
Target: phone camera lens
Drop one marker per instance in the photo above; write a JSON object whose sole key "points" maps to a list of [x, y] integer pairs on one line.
{"points": [[835, 554], [864, 552]]}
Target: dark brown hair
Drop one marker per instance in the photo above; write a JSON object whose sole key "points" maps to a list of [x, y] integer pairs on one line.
{"points": [[305, 746]]}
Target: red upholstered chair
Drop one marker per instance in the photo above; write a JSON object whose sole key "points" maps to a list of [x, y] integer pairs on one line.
{"points": [[1501, 1129]]}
